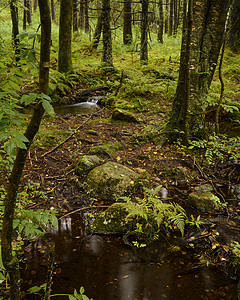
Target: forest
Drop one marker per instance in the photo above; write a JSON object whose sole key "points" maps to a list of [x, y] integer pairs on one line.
{"points": [[119, 149]]}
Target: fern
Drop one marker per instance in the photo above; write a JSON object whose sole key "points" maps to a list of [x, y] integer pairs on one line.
{"points": [[150, 215]]}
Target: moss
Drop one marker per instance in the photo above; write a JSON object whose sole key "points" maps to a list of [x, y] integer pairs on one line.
{"points": [[112, 220], [86, 163], [106, 149]]}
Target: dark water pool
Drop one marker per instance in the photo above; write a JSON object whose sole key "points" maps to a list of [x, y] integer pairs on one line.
{"points": [[108, 269]]}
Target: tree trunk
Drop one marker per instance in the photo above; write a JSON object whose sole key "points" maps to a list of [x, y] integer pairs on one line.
{"points": [[167, 17], [171, 17], [97, 33], [35, 5], [234, 32], [15, 29], [75, 15], [201, 45], [86, 17], [161, 21], [107, 36], [65, 37], [24, 14], [81, 15], [53, 11], [10, 261], [127, 22], [144, 32]]}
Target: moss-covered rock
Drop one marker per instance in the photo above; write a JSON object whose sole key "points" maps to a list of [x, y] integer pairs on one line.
{"points": [[106, 149], [86, 163], [110, 180], [204, 201], [123, 115], [112, 221]]}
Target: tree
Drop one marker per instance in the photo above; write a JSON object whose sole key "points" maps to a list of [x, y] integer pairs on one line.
{"points": [[234, 32], [161, 21], [75, 15], [97, 32], [15, 29], [10, 261], [65, 36], [144, 32], [127, 22], [107, 36], [201, 42]]}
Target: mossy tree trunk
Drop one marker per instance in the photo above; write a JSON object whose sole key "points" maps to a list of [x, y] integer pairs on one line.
{"points": [[10, 261], [107, 35], [144, 32], [65, 36], [15, 28], [161, 21], [75, 15], [234, 32], [98, 31], [201, 42], [127, 22]]}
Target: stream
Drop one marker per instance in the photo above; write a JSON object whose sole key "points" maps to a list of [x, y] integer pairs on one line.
{"points": [[108, 269]]}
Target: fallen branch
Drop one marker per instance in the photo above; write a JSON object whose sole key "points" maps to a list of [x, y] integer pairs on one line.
{"points": [[68, 138], [83, 208]]}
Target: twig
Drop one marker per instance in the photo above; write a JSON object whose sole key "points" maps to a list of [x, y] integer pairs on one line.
{"points": [[68, 138], [83, 208]]}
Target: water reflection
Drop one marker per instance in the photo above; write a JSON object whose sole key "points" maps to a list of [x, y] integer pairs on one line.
{"points": [[108, 269]]}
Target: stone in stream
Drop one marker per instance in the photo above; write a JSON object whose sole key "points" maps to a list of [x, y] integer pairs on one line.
{"points": [[203, 199], [111, 180]]}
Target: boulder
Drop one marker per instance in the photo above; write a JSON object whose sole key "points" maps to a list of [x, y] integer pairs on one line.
{"points": [[204, 201], [110, 180], [86, 163], [122, 115], [112, 221]]}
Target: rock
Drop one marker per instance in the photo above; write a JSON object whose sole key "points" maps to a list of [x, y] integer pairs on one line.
{"points": [[203, 188], [106, 149], [204, 201], [86, 163], [112, 221], [122, 115], [110, 180]]}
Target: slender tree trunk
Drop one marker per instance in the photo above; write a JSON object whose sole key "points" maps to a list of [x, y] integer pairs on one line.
{"points": [[10, 261], [15, 29], [107, 35], [25, 15], [86, 17], [97, 33], [167, 17], [65, 37], [81, 15], [197, 65], [234, 32], [171, 17], [144, 32], [75, 15], [53, 10], [127, 22], [35, 5], [161, 21]]}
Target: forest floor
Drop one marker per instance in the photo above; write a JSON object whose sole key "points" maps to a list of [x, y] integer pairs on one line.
{"points": [[51, 172]]}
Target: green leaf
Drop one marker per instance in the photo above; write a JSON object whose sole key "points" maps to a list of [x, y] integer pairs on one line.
{"points": [[48, 107], [4, 136], [27, 99], [2, 278], [54, 221], [20, 136], [10, 147]]}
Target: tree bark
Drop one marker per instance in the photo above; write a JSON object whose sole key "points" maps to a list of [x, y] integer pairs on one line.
{"points": [[161, 21], [127, 22], [86, 17], [81, 15], [53, 10], [65, 37], [107, 35], [144, 32], [234, 32], [198, 62], [15, 29], [75, 15], [97, 33], [167, 16], [10, 261]]}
